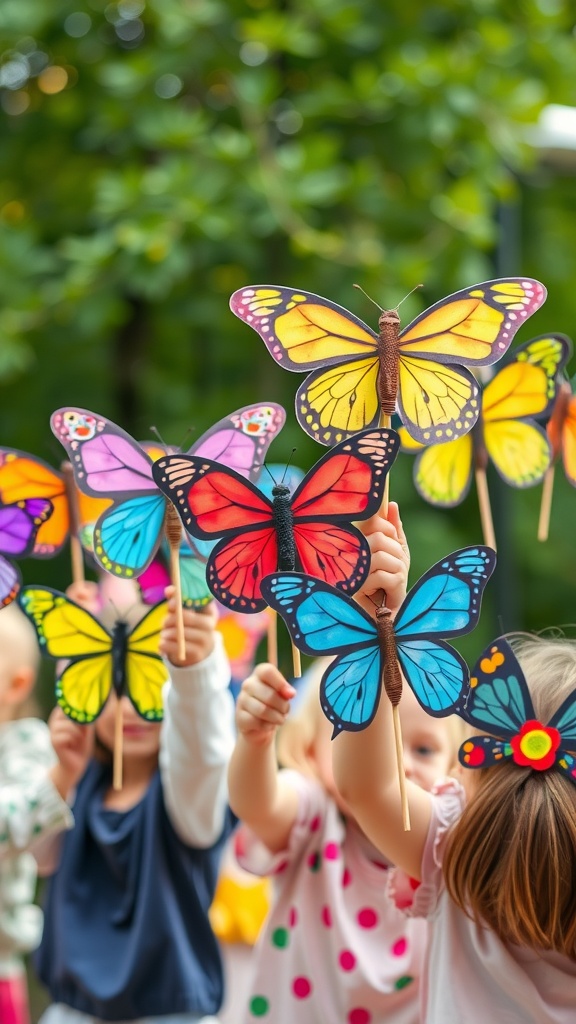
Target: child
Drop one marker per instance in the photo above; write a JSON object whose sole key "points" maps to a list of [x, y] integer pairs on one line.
{"points": [[335, 948], [127, 935], [497, 878], [30, 806]]}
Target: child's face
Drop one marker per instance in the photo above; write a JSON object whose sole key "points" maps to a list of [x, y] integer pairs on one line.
{"points": [[428, 743], [140, 739]]}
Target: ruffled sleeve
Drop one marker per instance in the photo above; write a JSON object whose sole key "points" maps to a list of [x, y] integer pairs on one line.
{"points": [[255, 857], [420, 899]]}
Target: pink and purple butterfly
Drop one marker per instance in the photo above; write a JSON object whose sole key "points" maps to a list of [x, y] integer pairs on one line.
{"points": [[107, 461]]}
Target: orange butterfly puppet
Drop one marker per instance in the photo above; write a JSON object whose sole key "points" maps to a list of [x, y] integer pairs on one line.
{"points": [[506, 433], [562, 434], [24, 476], [358, 377]]}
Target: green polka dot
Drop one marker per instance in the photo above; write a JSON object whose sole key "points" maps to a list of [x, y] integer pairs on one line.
{"points": [[315, 862], [280, 938], [37, 828], [259, 1006], [402, 982]]}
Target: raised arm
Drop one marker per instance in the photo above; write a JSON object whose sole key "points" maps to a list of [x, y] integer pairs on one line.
{"points": [[258, 794], [197, 735], [364, 762]]}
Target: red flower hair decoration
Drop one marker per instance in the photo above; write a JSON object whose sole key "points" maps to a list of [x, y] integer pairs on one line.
{"points": [[499, 702]]}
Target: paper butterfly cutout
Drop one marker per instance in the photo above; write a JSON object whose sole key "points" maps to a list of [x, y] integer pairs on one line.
{"points": [[19, 525], [524, 387], [24, 476], [499, 701], [310, 529], [561, 430], [352, 366], [98, 661], [107, 460], [444, 603]]}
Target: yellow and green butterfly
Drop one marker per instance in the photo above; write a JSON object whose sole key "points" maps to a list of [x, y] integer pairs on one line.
{"points": [[97, 661], [506, 432]]}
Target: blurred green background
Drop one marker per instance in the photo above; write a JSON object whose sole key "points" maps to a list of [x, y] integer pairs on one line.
{"points": [[158, 154], [155, 155]]}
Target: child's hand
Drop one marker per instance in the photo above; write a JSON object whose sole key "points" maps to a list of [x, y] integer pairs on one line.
{"points": [[390, 560], [73, 745], [263, 704], [86, 594], [198, 632]]}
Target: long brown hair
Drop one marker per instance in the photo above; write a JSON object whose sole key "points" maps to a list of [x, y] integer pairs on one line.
{"points": [[510, 859]]}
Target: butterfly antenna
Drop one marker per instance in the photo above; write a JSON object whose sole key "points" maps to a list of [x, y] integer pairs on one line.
{"points": [[264, 466], [407, 296], [369, 297], [287, 466], [188, 434], [156, 432]]}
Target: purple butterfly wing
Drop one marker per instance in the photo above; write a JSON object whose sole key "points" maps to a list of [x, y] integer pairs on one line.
{"points": [[241, 440], [106, 460]]}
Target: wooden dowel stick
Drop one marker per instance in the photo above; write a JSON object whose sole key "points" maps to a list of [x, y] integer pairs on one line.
{"points": [[173, 532], [400, 761], [118, 746], [546, 504], [76, 552], [485, 510], [272, 638], [296, 662]]}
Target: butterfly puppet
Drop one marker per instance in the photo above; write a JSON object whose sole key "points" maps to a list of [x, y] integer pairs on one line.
{"points": [[98, 661], [310, 528], [108, 461], [444, 603], [19, 526], [499, 702], [524, 387], [358, 375], [23, 477]]}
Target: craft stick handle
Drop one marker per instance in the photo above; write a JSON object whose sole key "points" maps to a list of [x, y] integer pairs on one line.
{"points": [[76, 552], [546, 504], [173, 531], [118, 746], [296, 662], [485, 509], [400, 765], [272, 638]]}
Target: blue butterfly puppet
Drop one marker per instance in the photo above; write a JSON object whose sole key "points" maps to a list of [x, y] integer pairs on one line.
{"points": [[499, 701], [445, 602]]}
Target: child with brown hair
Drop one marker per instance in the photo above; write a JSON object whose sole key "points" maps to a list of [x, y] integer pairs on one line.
{"points": [[335, 946], [496, 855], [31, 806], [127, 933]]}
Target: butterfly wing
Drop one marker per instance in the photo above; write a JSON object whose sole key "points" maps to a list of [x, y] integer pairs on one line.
{"points": [[444, 603], [24, 476], [483, 752], [67, 631], [241, 440], [108, 461], [19, 525], [443, 472], [146, 672], [498, 699], [303, 331], [321, 620]]}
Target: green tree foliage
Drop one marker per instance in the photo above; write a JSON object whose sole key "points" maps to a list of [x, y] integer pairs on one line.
{"points": [[158, 154]]}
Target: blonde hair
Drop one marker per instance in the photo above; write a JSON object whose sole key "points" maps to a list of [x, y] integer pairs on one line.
{"points": [[510, 859], [19, 649]]}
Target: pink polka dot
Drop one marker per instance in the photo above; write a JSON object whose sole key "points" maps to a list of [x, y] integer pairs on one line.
{"points": [[399, 948], [367, 918], [312, 858], [359, 1016], [281, 867], [315, 823], [326, 917], [346, 879], [331, 851], [292, 917], [378, 864], [347, 960], [414, 883], [301, 988]]}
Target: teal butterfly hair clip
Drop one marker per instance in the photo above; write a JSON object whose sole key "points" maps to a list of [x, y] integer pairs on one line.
{"points": [[499, 701]]}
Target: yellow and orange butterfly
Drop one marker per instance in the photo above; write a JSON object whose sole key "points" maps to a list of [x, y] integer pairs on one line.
{"points": [[25, 476], [98, 661], [562, 429], [351, 365], [525, 387]]}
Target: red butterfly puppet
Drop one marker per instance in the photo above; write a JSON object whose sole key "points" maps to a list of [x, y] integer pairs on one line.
{"points": [[309, 530]]}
